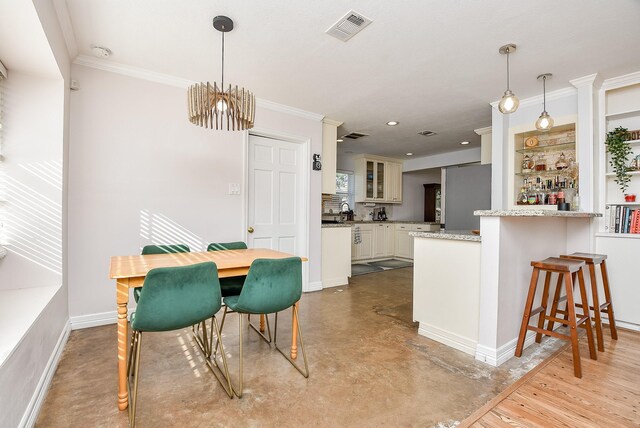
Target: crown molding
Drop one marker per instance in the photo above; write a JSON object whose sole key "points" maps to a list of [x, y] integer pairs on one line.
{"points": [[332, 122], [281, 108], [166, 79], [554, 95], [594, 80], [64, 19], [483, 131], [621, 81]]}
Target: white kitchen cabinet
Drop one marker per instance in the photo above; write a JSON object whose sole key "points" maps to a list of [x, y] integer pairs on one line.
{"points": [[403, 242], [390, 234], [379, 241], [394, 182], [373, 182], [329, 155], [364, 249]]}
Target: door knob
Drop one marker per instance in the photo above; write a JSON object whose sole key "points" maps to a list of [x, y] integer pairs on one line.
{"points": [[250, 230]]}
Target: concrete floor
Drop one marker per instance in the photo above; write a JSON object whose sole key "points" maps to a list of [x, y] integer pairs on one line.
{"points": [[368, 365]]}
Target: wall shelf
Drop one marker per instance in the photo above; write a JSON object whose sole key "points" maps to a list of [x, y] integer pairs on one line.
{"points": [[618, 235], [613, 174], [622, 115], [548, 148]]}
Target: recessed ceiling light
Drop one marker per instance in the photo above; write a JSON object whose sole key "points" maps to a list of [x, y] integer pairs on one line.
{"points": [[464, 143], [409, 154], [393, 123], [339, 140]]}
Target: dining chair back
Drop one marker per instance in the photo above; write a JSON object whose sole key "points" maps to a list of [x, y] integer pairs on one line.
{"points": [[173, 298], [272, 285], [160, 249], [230, 286]]}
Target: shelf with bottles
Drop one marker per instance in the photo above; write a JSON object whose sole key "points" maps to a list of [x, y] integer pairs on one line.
{"points": [[548, 148]]}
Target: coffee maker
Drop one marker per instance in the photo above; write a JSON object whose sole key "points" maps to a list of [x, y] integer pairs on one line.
{"points": [[382, 214]]}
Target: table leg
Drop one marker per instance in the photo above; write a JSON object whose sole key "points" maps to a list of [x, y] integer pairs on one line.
{"points": [[122, 298], [294, 332]]}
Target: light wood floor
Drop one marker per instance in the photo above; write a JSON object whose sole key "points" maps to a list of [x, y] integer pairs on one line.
{"points": [[608, 395]]}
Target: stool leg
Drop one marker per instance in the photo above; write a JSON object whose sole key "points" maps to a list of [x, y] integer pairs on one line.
{"points": [[554, 306], [587, 313], [571, 311], [596, 306], [545, 298], [527, 311], [607, 295]]}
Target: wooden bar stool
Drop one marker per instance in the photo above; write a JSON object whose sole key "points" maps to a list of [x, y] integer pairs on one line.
{"points": [[591, 260], [566, 269]]}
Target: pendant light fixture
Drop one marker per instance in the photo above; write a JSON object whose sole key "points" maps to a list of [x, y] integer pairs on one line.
{"points": [[509, 102], [210, 105], [544, 122]]}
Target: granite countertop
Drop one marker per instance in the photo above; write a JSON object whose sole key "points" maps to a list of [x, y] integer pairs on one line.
{"points": [[454, 235], [533, 212], [390, 221], [336, 225]]}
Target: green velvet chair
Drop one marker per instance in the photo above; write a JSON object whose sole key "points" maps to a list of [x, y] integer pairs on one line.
{"points": [[171, 299], [272, 285], [160, 249], [229, 286]]}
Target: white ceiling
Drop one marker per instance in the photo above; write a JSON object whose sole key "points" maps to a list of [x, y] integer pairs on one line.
{"points": [[428, 64]]}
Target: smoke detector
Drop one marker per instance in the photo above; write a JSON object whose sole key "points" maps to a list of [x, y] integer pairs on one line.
{"points": [[348, 26], [100, 52]]}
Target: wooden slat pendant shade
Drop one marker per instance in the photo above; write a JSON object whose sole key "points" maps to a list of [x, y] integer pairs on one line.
{"points": [[212, 107]]}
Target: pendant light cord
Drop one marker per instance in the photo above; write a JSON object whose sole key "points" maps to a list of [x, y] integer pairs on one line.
{"points": [[508, 68], [222, 62], [544, 93]]}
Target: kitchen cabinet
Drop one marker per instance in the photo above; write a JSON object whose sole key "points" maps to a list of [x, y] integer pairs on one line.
{"points": [[383, 240], [364, 249], [394, 182], [403, 241], [378, 179], [329, 155]]}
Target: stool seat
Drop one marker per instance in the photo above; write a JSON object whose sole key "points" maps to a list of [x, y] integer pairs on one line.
{"points": [[556, 264], [586, 257]]}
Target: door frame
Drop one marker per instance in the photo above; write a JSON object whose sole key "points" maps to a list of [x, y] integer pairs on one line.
{"points": [[305, 143]]}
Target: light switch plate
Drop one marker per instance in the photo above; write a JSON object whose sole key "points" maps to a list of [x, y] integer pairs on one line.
{"points": [[234, 188]]}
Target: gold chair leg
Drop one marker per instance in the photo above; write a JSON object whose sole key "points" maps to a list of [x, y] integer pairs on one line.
{"points": [[201, 339], [223, 377], [304, 373], [257, 329], [134, 369]]}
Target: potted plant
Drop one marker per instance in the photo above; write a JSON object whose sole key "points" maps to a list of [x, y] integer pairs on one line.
{"points": [[619, 151]]}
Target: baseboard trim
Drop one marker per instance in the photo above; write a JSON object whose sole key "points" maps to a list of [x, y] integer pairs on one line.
{"points": [[498, 356], [94, 320], [314, 286], [622, 324], [335, 282], [461, 343], [33, 409]]}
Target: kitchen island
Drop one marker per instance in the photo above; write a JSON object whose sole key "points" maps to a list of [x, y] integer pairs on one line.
{"points": [[470, 291], [446, 287]]}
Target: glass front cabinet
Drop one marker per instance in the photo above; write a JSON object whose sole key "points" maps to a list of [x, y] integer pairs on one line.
{"points": [[378, 179]]}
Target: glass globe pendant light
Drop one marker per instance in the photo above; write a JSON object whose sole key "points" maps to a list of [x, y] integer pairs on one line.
{"points": [[544, 122], [509, 102]]}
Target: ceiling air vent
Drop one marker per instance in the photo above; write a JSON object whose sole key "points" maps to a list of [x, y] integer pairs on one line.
{"points": [[348, 26], [427, 133], [355, 135]]}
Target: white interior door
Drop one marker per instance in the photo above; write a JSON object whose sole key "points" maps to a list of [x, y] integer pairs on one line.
{"points": [[276, 208]]}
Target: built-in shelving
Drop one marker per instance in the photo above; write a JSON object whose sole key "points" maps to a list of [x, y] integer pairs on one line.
{"points": [[613, 174], [618, 235], [548, 148], [622, 115]]}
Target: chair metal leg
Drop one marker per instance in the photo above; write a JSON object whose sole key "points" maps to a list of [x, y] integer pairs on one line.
{"points": [[257, 329], [304, 373], [201, 339], [134, 369], [221, 374]]}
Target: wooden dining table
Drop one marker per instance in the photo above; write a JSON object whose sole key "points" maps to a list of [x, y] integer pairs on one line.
{"points": [[130, 272]]}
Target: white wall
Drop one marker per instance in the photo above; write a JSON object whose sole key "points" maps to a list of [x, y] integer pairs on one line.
{"points": [[35, 135], [412, 207], [33, 128], [141, 173]]}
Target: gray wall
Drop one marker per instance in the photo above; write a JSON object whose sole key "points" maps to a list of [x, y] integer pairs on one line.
{"points": [[467, 188]]}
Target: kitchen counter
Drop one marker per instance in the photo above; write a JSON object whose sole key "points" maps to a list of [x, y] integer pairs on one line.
{"points": [[533, 212], [454, 235], [324, 225]]}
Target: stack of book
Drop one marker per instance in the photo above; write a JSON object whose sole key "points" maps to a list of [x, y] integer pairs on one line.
{"points": [[622, 219]]}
